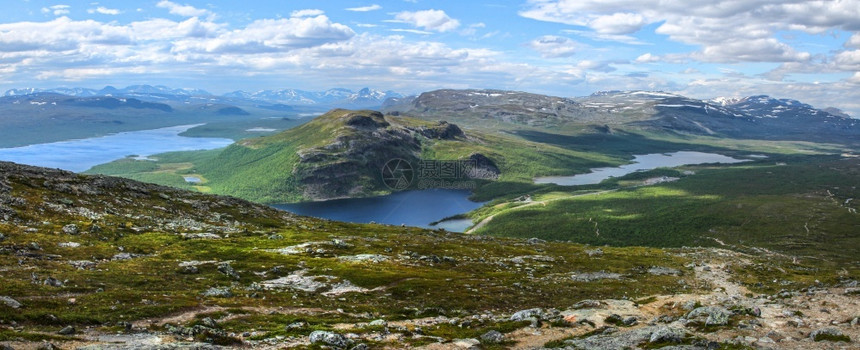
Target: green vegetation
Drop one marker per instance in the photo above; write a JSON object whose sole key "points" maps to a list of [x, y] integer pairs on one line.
{"points": [[800, 208]]}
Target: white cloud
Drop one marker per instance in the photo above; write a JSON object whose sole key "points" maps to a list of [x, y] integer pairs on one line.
{"points": [[271, 35], [373, 7], [183, 10], [552, 46], [854, 41], [435, 20], [647, 58], [413, 31], [104, 10], [726, 30], [618, 23], [57, 10], [307, 13]]}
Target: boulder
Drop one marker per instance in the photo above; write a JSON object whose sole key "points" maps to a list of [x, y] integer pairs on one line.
{"points": [[667, 335], [218, 292], [716, 316], [524, 315], [67, 330], [493, 337], [10, 302], [329, 338]]}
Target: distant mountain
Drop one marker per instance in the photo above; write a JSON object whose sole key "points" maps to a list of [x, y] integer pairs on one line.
{"points": [[333, 97], [111, 91], [759, 117]]}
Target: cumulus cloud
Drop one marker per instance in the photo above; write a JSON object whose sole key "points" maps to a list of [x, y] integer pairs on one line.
{"points": [[552, 46], [435, 20], [183, 10], [373, 7], [727, 30], [57, 10], [271, 35], [105, 11], [618, 23]]}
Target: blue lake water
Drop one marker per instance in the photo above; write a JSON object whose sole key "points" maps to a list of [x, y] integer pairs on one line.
{"points": [[413, 208], [80, 155], [640, 163]]}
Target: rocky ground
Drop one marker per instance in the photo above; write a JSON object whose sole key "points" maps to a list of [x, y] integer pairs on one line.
{"points": [[103, 263]]}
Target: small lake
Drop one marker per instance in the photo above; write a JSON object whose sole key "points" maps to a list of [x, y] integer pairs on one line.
{"points": [[80, 155], [640, 163], [413, 208]]}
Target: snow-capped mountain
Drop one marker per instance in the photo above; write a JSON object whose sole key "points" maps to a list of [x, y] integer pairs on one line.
{"points": [[338, 97], [763, 106]]}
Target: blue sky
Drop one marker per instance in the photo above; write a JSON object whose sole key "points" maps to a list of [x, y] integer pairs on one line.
{"points": [[806, 50]]}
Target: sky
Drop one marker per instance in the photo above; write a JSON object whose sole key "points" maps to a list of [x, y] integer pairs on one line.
{"points": [[804, 50]]}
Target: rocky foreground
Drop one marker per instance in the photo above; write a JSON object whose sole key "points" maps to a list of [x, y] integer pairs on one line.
{"points": [[105, 263]]}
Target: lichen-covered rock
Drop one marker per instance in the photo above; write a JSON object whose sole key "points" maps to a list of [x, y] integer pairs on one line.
{"points": [[524, 315], [10, 302], [218, 292], [493, 337], [329, 338], [714, 315], [667, 335]]}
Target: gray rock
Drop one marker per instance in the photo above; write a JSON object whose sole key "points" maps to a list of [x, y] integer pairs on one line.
{"points": [[203, 235], [296, 325], [53, 282], [493, 337], [2, 237], [630, 321], [613, 341], [82, 264], [662, 271], [71, 229], [667, 335], [209, 322], [124, 256], [524, 315], [827, 331], [218, 292], [67, 330], [595, 276], [535, 240], [329, 338], [587, 304], [10, 302], [361, 346], [594, 252], [374, 258], [378, 323], [716, 316], [228, 270]]}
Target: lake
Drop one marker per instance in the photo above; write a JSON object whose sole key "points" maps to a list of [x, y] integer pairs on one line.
{"points": [[80, 155], [413, 208], [640, 163]]}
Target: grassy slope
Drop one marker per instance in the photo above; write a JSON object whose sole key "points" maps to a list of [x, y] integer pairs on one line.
{"points": [[136, 219]]}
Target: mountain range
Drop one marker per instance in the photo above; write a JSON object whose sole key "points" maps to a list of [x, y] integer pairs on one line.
{"points": [[337, 97]]}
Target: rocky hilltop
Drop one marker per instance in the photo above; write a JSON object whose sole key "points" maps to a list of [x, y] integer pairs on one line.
{"points": [[93, 262], [338, 154]]}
